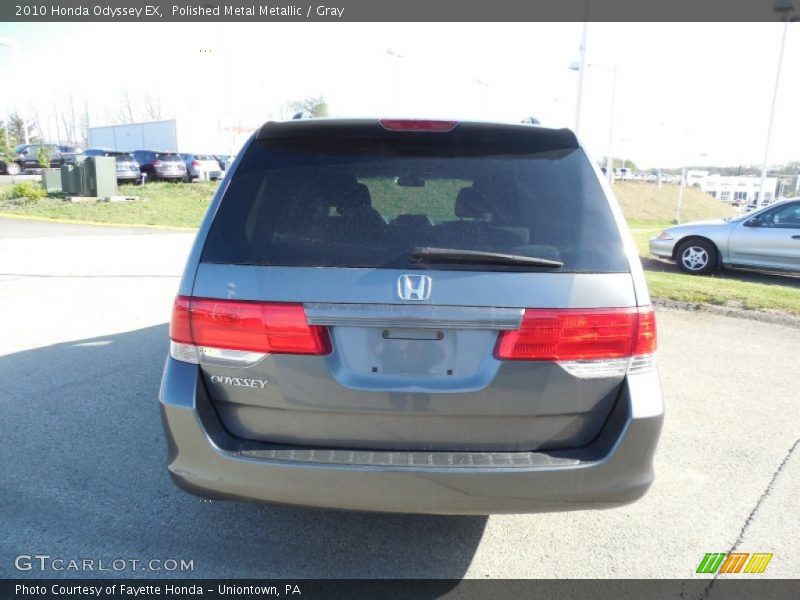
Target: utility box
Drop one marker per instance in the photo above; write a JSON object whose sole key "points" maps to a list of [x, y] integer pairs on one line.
{"points": [[71, 177], [90, 177], [99, 176], [51, 180]]}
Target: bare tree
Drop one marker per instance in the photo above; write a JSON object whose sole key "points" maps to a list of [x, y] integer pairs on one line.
{"points": [[69, 122], [314, 106], [126, 106], [152, 107], [84, 123]]}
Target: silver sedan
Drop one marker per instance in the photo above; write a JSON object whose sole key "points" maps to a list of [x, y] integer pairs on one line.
{"points": [[768, 238]]}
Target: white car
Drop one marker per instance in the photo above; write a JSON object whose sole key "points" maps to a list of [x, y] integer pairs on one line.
{"points": [[201, 166]]}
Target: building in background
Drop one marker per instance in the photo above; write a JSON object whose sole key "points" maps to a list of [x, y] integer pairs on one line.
{"points": [[733, 189], [171, 135]]}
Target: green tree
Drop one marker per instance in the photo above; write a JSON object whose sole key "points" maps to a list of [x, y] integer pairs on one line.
{"points": [[315, 106], [16, 130], [6, 147]]}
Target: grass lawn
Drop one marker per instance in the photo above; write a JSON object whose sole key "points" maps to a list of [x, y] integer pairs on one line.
{"points": [[646, 203], [164, 204], [647, 207]]}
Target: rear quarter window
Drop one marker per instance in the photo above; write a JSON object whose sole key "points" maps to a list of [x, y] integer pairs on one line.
{"points": [[371, 202]]}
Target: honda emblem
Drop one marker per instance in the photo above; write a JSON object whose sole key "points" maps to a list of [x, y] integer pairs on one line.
{"points": [[414, 287]]}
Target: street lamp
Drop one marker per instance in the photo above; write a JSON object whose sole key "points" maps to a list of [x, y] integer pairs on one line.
{"points": [[398, 57], [682, 188], [579, 66], [581, 63], [484, 85], [783, 8]]}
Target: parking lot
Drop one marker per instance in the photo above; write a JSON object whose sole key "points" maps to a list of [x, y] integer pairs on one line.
{"points": [[83, 316]]}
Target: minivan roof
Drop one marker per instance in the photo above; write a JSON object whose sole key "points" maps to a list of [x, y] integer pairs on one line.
{"points": [[371, 127]]}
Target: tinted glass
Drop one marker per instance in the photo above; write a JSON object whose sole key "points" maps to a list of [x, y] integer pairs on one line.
{"points": [[168, 157], [369, 203]]}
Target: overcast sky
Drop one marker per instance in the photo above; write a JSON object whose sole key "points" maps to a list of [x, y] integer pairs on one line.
{"points": [[683, 90]]}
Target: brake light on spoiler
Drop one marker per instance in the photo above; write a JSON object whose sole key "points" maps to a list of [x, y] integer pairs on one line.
{"points": [[585, 342], [206, 330], [417, 125]]}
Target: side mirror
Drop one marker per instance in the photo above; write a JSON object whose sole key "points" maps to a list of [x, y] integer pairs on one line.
{"points": [[753, 222]]}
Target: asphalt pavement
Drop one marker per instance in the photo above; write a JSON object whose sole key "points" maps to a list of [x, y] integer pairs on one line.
{"points": [[83, 337]]}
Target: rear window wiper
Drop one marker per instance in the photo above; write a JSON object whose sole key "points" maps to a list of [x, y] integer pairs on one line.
{"points": [[451, 255]]}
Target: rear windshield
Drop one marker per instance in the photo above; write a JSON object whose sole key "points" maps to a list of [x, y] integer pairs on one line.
{"points": [[369, 203], [168, 157]]}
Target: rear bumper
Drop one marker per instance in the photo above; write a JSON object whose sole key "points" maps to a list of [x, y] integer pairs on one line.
{"points": [[216, 174], [170, 174], [615, 469]]}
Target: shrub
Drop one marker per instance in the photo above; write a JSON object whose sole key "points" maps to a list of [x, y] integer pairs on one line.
{"points": [[28, 190], [43, 156]]}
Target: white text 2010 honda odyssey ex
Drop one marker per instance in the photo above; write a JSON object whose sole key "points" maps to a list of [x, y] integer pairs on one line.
{"points": [[413, 316]]}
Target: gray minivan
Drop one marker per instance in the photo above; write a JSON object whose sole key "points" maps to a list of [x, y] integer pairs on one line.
{"points": [[413, 316]]}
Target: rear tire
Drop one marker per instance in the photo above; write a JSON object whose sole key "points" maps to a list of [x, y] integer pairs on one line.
{"points": [[697, 257], [13, 169]]}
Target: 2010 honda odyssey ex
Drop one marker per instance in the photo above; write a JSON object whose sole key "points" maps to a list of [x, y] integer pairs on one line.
{"points": [[413, 316]]}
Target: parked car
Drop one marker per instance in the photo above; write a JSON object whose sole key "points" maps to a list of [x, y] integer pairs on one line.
{"points": [[199, 165], [160, 166], [768, 238], [26, 156], [127, 166], [413, 316]]}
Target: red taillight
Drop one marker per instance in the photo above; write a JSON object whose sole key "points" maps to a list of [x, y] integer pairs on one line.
{"points": [[269, 327], [579, 334], [180, 329], [646, 337], [157, 163], [417, 125], [195, 163]]}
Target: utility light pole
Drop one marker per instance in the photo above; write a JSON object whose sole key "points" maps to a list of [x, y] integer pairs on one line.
{"points": [[484, 85], [581, 64], [397, 58], [576, 65], [783, 8], [681, 190], [680, 195]]}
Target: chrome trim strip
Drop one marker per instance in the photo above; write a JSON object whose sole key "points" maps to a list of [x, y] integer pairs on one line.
{"points": [[417, 316]]}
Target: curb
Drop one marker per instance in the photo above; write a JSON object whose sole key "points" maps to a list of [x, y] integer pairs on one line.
{"points": [[6, 215], [729, 311]]}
